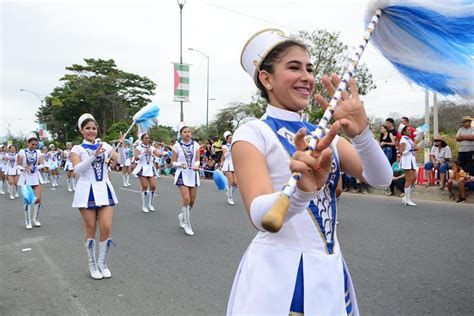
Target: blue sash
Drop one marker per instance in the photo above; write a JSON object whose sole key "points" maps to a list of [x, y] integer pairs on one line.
{"points": [[322, 209], [31, 159]]}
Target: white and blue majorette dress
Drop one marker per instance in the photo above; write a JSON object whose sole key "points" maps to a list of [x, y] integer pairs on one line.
{"points": [[125, 154], [186, 154], [145, 166], [228, 165], [94, 189], [11, 167], [47, 159], [68, 164], [31, 159], [54, 160], [3, 161], [408, 160], [300, 269]]}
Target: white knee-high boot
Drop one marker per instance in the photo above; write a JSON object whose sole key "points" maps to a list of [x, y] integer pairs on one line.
{"points": [[11, 191], [93, 268], [73, 182], [103, 252], [230, 197], [144, 202], [181, 217], [124, 177], [15, 188], [151, 197], [1, 187], [36, 213], [27, 217], [187, 222], [69, 184]]}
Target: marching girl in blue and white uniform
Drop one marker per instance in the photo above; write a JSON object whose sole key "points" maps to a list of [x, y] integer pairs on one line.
{"points": [[3, 166], [54, 165], [12, 171], [300, 269], [125, 152], [69, 168], [159, 158], [30, 162], [47, 164], [185, 157], [145, 170], [94, 195], [228, 167], [408, 163]]}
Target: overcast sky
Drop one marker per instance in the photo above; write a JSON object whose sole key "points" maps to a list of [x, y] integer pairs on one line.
{"points": [[39, 39]]}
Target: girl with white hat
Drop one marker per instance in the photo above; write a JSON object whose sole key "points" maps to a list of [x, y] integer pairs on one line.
{"points": [[186, 159], [54, 165], [228, 167], [146, 171], [94, 195], [47, 162], [124, 160], [69, 168], [3, 152], [12, 171], [408, 162], [300, 268], [30, 162]]}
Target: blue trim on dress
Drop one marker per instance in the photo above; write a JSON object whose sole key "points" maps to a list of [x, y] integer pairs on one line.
{"points": [[91, 201], [297, 304]]}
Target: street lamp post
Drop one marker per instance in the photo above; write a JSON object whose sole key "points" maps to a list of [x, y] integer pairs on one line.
{"points": [[181, 4], [39, 98], [207, 96]]}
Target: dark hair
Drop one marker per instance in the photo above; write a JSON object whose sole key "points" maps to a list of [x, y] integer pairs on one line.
{"points": [[406, 119], [272, 58], [143, 135], [87, 120], [390, 120]]}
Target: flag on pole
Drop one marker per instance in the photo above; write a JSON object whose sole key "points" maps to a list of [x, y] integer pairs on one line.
{"points": [[181, 82]]}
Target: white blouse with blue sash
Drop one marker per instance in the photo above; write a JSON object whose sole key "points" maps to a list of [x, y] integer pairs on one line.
{"points": [[300, 268], [31, 159], [94, 189]]}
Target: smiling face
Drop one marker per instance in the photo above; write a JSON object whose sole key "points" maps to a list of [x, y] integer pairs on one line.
{"points": [[89, 131], [145, 139], [292, 83]]}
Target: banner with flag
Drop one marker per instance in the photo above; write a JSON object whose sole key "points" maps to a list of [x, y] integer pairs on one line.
{"points": [[181, 82]]}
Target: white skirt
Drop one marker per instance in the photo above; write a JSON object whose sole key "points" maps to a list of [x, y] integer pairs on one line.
{"points": [[227, 166], [11, 171], [127, 163], [94, 194], [187, 177], [408, 162], [30, 179], [68, 166], [145, 170]]}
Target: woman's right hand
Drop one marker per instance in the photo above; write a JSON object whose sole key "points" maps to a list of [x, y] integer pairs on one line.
{"points": [[314, 167], [99, 151]]}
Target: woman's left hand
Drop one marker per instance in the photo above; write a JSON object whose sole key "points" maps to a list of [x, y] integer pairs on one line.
{"points": [[350, 111]]}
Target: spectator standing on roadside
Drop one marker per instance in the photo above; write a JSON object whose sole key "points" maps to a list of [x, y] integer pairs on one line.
{"points": [[465, 139], [390, 123]]}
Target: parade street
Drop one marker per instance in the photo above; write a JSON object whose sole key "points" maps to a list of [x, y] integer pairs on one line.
{"points": [[403, 260]]}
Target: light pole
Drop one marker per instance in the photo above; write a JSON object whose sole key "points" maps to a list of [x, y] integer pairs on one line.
{"points": [[181, 4], [207, 96], [39, 98]]}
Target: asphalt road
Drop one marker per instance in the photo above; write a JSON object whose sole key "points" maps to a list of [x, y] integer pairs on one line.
{"points": [[403, 261]]}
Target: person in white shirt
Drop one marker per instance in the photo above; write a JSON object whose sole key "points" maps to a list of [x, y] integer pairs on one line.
{"points": [[12, 171], [94, 195], [440, 155], [186, 159], [228, 167], [299, 269], [465, 139]]}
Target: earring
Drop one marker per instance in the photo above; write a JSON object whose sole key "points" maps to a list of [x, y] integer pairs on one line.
{"points": [[269, 87]]}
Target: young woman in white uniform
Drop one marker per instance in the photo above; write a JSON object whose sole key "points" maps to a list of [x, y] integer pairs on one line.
{"points": [[124, 159], [54, 165], [145, 170], [47, 163], [3, 152], [299, 269], [69, 168], [185, 157], [228, 167], [94, 195], [12, 171], [30, 162], [408, 163]]}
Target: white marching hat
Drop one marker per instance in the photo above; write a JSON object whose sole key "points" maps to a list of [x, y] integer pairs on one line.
{"points": [[401, 127], [181, 125], [31, 136], [257, 48], [226, 134], [84, 117]]}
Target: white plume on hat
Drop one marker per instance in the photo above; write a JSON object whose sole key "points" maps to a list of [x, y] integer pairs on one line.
{"points": [[257, 48], [83, 117], [226, 134], [31, 136], [181, 125], [401, 127]]}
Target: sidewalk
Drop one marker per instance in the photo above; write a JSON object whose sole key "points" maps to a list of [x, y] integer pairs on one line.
{"points": [[432, 193]]}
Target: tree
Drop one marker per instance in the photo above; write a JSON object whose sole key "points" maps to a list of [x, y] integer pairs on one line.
{"points": [[99, 88]]}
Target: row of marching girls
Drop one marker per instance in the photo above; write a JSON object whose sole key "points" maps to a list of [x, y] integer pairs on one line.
{"points": [[9, 172], [53, 160]]}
